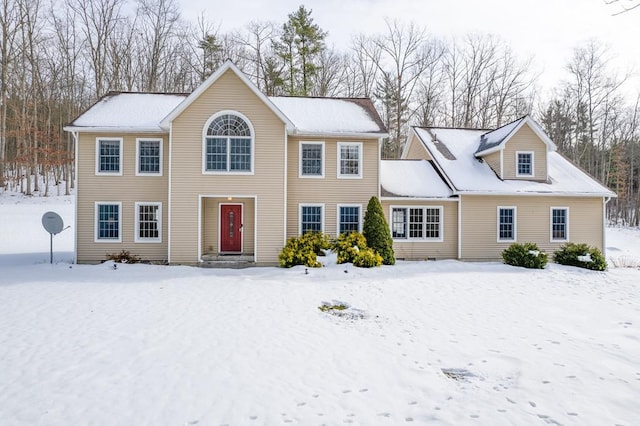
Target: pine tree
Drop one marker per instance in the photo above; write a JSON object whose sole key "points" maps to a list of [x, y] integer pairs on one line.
{"points": [[300, 47], [376, 231]]}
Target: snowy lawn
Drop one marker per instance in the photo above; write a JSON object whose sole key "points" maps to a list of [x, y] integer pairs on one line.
{"points": [[431, 342]]}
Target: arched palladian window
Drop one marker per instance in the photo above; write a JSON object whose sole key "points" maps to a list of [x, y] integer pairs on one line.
{"points": [[228, 144]]}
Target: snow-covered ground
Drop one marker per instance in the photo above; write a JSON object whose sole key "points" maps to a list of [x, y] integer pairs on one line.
{"points": [[422, 343]]}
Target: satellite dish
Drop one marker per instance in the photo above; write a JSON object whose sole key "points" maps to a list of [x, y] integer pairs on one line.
{"points": [[52, 223]]}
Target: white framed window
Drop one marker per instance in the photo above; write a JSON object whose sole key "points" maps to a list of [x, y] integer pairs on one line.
{"points": [[109, 156], [524, 163], [311, 218], [416, 223], [148, 157], [311, 159], [559, 224], [350, 160], [148, 222], [507, 224], [349, 218], [108, 222], [228, 144]]}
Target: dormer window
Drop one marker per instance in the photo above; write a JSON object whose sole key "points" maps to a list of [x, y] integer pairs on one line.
{"points": [[525, 164]]}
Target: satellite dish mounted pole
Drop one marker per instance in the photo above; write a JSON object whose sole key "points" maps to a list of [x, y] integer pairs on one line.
{"points": [[53, 224]]}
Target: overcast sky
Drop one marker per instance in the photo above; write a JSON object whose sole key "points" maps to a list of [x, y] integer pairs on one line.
{"points": [[547, 30]]}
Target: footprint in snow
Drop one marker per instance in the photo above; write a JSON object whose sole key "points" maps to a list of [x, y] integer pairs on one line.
{"points": [[301, 404], [363, 390], [533, 404], [384, 414]]}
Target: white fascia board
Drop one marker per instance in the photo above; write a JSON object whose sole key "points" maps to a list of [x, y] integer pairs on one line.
{"points": [[228, 65], [451, 199], [156, 130], [536, 194], [339, 135], [434, 158], [536, 129]]}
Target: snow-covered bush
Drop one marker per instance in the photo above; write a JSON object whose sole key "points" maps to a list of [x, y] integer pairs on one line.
{"points": [[348, 245], [581, 255], [367, 258], [377, 232], [526, 255], [304, 250]]}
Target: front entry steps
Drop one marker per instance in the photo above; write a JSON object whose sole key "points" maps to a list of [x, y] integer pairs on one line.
{"points": [[217, 260]]}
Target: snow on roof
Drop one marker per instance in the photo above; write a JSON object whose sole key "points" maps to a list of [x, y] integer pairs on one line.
{"points": [[412, 178], [469, 175], [330, 115], [495, 137], [128, 111]]}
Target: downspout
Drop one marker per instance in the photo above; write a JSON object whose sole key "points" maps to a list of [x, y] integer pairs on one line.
{"points": [[75, 197], [605, 201], [169, 206], [459, 227], [286, 185], [379, 164]]}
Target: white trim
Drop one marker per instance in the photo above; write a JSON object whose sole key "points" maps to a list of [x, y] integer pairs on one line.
{"points": [[75, 196], [160, 142], [136, 221], [120, 160], [460, 228], [338, 206], [501, 164], [515, 224], [301, 205], [336, 135], [300, 174], [204, 146], [566, 225], [538, 194], [406, 199], [435, 163], [360, 174], [286, 187], [241, 227], [115, 129], [95, 222], [423, 239], [170, 185], [379, 191], [233, 197], [228, 65], [533, 163]]}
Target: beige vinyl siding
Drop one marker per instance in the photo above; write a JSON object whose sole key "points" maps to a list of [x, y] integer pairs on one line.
{"points": [[188, 182], [525, 140], [479, 223], [210, 223], [416, 150], [330, 190], [421, 250], [126, 189], [493, 160]]}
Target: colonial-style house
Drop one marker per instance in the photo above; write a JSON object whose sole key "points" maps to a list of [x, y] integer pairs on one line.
{"points": [[226, 174]]}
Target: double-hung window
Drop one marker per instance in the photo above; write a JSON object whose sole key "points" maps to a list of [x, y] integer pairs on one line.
{"points": [[312, 159], [109, 156], [108, 222], [348, 219], [148, 222], [148, 157], [506, 224], [416, 223], [228, 145], [311, 218], [350, 160], [524, 164], [559, 223]]}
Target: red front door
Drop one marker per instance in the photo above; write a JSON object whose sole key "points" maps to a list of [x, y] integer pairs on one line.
{"points": [[231, 228]]}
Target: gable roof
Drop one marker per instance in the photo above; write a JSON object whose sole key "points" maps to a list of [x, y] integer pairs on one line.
{"points": [[412, 179], [316, 116], [127, 111], [153, 112], [469, 175], [227, 66], [495, 140]]}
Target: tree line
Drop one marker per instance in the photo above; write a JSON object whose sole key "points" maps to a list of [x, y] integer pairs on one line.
{"points": [[57, 57]]}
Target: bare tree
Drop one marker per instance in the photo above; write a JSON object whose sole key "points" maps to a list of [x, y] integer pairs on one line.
{"points": [[8, 31]]}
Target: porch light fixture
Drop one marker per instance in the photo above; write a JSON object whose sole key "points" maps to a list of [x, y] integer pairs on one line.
{"points": [[229, 198]]}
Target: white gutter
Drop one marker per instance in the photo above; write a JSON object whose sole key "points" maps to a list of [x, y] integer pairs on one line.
{"points": [[169, 195], [605, 201], [111, 129], [313, 134]]}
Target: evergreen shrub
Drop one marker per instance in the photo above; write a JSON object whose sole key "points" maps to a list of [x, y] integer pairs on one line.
{"points": [[526, 255], [347, 246], [367, 258], [377, 232], [304, 250], [580, 255]]}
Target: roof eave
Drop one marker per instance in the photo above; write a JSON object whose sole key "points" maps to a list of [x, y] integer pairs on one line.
{"points": [[114, 129], [309, 133], [538, 193]]}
